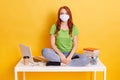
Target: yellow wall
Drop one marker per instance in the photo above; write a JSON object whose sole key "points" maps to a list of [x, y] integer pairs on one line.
{"points": [[29, 21]]}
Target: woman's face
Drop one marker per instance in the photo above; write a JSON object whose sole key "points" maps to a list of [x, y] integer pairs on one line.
{"points": [[64, 15], [63, 11]]}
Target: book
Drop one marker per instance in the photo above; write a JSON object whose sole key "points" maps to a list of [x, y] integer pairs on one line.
{"points": [[91, 51]]}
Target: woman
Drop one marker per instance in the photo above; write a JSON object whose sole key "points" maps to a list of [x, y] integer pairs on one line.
{"points": [[64, 41]]}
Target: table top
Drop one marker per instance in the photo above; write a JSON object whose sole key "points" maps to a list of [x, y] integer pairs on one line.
{"points": [[41, 67]]}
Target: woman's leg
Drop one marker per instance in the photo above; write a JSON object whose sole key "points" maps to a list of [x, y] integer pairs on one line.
{"points": [[50, 55], [81, 61]]}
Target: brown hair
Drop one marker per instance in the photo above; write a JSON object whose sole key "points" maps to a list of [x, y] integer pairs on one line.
{"points": [[70, 23]]}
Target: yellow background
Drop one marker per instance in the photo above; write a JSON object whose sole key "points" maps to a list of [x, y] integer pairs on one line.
{"points": [[29, 21]]}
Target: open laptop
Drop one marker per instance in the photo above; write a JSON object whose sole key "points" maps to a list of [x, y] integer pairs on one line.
{"points": [[26, 51]]}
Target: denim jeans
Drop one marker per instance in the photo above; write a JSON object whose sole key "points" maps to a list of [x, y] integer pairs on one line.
{"points": [[51, 55]]}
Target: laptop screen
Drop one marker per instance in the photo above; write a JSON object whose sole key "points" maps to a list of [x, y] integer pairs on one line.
{"points": [[25, 50]]}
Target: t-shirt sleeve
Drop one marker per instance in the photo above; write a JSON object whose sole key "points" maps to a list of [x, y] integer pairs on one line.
{"points": [[75, 31], [53, 29]]}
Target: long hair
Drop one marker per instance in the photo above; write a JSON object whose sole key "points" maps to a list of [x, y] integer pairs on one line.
{"points": [[69, 22]]}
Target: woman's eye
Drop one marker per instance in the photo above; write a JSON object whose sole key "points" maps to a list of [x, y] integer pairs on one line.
{"points": [[63, 13]]}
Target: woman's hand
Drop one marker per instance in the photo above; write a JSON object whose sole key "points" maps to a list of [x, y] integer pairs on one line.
{"points": [[68, 59], [64, 59]]}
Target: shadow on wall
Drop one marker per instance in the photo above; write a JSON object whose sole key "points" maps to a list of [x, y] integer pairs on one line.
{"points": [[45, 34]]}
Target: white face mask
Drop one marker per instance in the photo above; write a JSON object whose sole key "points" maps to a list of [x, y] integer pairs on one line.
{"points": [[64, 17]]}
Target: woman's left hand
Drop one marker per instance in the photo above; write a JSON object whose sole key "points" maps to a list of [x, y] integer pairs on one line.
{"points": [[68, 59]]}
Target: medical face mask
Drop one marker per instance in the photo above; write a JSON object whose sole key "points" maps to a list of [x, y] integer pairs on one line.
{"points": [[64, 17]]}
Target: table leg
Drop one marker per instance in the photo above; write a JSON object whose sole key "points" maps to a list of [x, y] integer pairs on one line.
{"points": [[16, 76], [105, 74], [94, 75], [23, 75]]}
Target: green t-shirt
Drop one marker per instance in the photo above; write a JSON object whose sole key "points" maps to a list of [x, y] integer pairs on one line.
{"points": [[63, 40]]}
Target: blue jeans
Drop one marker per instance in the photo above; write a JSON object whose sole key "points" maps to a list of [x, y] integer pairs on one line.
{"points": [[51, 55]]}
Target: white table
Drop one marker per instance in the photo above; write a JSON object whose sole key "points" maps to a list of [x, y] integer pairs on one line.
{"points": [[40, 67]]}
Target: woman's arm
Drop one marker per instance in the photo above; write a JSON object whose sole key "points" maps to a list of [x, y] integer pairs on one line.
{"points": [[75, 42], [63, 58]]}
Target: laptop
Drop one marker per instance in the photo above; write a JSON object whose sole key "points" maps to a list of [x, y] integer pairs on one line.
{"points": [[26, 51]]}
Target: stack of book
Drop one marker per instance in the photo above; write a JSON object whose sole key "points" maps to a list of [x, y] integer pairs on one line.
{"points": [[91, 52]]}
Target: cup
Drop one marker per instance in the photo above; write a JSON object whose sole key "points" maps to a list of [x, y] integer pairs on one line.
{"points": [[26, 60], [93, 60]]}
